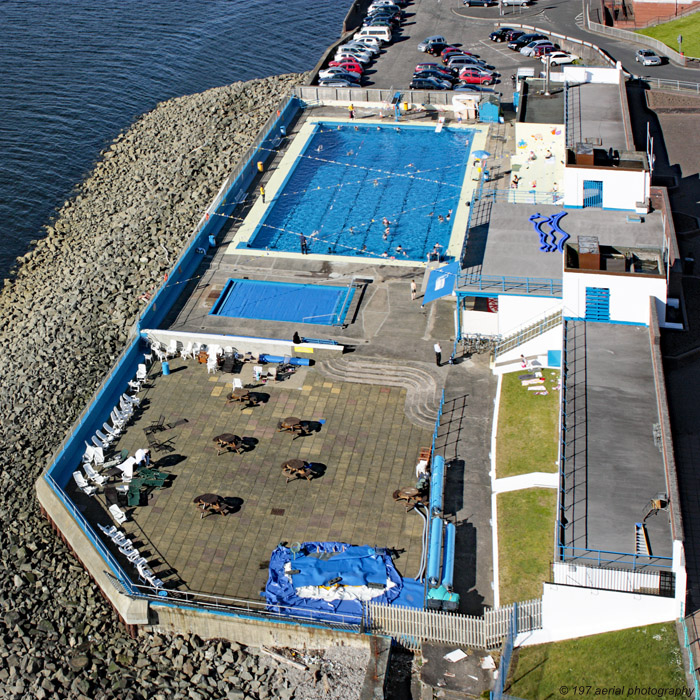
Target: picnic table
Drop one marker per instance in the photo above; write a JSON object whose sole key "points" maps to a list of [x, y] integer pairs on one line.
{"points": [[227, 442], [297, 469], [210, 503]]}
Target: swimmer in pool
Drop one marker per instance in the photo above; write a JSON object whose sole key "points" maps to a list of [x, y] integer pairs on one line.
{"points": [[441, 218], [385, 221], [363, 249]]}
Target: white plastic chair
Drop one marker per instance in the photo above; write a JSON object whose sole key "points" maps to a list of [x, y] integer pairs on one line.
{"points": [[148, 357], [89, 454], [98, 443], [133, 555], [212, 365], [108, 531], [83, 485], [172, 349], [110, 430], [141, 373], [131, 400], [98, 456], [237, 383], [186, 352], [93, 475], [105, 439], [118, 514]]}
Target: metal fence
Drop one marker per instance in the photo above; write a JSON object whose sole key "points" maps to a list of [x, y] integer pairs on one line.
{"points": [[603, 557], [313, 93], [525, 333], [411, 626], [437, 420], [506, 656], [687, 643], [494, 284], [665, 84], [649, 582]]}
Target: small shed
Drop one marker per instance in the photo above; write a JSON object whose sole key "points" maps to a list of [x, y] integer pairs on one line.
{"points": [[489, 109]]}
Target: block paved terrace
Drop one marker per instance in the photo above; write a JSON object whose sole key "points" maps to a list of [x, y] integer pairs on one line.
{"points": [[366, 449]]}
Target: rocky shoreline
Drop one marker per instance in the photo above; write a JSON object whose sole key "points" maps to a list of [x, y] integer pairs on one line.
{"points": [[65, 315]]}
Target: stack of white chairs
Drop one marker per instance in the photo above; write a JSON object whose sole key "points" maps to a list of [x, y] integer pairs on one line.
{"points": [[111, 430], [172, 350], [93, 475], [108, 531], [105, 439], [83, 484], [133, 400], [212, 364], [98, 443], [118, 419], [187, 353]]}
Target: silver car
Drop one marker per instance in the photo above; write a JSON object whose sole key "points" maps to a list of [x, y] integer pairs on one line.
{"points": [[647, 57]]}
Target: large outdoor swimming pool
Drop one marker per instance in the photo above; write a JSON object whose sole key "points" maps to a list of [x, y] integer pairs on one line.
{"points": [[369, 190]]}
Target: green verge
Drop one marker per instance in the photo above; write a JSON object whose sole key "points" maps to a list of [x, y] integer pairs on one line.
{"points": [[525, 532], [528, 427], [688, 27], [642, 657]]}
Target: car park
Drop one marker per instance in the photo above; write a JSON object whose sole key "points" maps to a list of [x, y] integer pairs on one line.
{"points": [[557, 58], [430, 84], [524, 40], [501, 34], [429, 41], [477, 77], [436, 75], [647, 57], [340, 73]]}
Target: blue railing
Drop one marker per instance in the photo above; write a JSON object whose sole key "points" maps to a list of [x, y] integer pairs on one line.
{"points": [[494, 284], [498, 693], [437, 422], [689, 650], [475, 198], [560, 528], [526, 196], [602, 556]]}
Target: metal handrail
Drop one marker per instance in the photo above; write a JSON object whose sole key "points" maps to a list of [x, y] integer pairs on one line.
{"points": [[637, 560], [496, 283]]}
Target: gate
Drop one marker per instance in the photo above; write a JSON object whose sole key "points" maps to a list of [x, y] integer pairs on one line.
{"points": [[597, 304], [593, 194]]}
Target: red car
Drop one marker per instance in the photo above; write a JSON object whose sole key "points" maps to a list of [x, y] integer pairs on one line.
{"points": [[544, 50], [348, 65], [475, 76]]}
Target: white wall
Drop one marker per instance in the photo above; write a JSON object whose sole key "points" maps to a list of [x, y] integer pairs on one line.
{"points": [[629, 295], [569, 612], [588, 74], [622, 189], [536, 348], [516, 312], [479, 322]]}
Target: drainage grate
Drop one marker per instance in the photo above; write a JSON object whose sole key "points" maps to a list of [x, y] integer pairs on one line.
{"points": [[277, 511]]}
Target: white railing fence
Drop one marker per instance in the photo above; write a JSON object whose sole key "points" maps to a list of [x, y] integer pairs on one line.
{"points": [[648, 582], [411, 626]]}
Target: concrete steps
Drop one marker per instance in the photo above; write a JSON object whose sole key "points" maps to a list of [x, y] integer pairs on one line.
{"points": [[421, 386]]}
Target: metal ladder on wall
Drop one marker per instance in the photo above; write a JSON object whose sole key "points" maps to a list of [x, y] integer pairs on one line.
{"points": [[641, 540]]}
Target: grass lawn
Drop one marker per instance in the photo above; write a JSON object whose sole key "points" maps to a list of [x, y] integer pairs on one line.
{"points": [[528, 427], [688, 27], [525, 532], [647, 657]]}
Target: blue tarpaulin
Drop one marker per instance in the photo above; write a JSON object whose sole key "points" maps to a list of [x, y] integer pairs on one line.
{"points": [[338, 569], [441, 282]]}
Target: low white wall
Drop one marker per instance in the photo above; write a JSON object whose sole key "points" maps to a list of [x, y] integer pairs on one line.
{"points": [[270, 346], [569, 612], [479, 322], [517, 312], [537, 347], [590, 74], [622, 189], [629, 295]]}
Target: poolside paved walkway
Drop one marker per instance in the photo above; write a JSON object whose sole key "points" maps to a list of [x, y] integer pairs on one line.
{"points": [[364, 450]]}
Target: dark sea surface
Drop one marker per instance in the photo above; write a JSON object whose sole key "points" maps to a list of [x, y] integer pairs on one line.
{"points": [[76, 73]]}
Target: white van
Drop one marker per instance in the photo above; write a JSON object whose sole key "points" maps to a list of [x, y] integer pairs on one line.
{"points": [[381, 33]]}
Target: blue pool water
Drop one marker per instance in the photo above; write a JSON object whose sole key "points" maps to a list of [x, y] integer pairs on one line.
{"points": [[281, 301], [348, 179]]}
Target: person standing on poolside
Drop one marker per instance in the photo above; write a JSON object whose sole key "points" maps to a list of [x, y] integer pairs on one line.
{"points": [[438, 353], [262, 193], [414, 290], [351, 110]]}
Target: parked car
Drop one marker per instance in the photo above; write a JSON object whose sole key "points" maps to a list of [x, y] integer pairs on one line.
{"points": [[355, 51], [430, 84], [340, 73], [501, 34], [435, 39], [448, 50], [369, 42], [467, 87], [524, 40], [477, 3], [363, 59], [557, 58], [349, 64], [373, 49], [474, 76], [336, 82], [647, 57], [543, 50], [519, 3], [458, 62], [434, 66], [388, 12], [529, 50], [514, 34], [435, 74]]}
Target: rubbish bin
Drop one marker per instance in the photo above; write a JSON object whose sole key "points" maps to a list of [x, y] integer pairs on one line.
{"points": [[260, 165], [283, 130], [212, 242], [166, 369]]}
